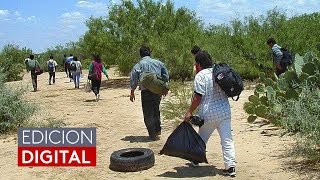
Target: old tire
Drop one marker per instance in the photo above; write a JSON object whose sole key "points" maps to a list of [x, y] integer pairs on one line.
{"points": [[132, 159]]}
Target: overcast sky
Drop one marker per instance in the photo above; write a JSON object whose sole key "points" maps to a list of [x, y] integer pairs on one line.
{"points": [[40, 24]]}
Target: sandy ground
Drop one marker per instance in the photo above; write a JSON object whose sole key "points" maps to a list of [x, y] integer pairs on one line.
{"points": [[260, 151]]}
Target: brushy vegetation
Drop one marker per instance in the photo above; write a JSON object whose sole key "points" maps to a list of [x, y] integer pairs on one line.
{"points": [[270, 95], [302, 116], [171, 32], [175, 105], [292, 102], [14, 110], [45, 123], [12, 61]]}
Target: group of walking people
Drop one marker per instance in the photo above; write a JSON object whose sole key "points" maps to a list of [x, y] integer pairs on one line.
{"points": [[210, 100], [73, 69]]}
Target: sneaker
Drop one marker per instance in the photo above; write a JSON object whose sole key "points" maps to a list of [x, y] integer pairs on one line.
{"points": [[194, 164], [158, 133], [97, 97], [230, 172]]}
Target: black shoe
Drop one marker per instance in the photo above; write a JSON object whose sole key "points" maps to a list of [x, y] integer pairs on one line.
{"points": [[230, 172]]}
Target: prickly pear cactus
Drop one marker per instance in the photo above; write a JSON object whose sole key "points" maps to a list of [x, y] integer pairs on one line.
{"points": [[270, 92]]}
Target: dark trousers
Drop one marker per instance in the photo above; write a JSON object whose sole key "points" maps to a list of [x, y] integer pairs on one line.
{"points": [[52, 75], [66, 69], [70, 75], [95, 86], [280, 71], [151, 112], [34, 80], [284, 68]]}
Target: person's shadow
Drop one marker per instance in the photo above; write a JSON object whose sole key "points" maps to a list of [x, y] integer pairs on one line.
{"points": [[135, 139], [90, 100], [189, 172]]}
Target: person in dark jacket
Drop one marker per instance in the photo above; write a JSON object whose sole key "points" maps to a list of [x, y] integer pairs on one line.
{"points": [[96, 68]]}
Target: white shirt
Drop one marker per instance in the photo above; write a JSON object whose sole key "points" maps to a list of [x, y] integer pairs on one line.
{"points": [[54, 64], [214, 103]]}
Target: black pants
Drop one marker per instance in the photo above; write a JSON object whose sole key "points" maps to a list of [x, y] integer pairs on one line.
{"points": [[280, 71], [53, 76], [151, 112], [95, 86], [34, 78], [66, 69]]}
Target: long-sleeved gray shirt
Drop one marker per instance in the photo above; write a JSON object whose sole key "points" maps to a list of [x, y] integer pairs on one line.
{"points": [[147, 64], [277, 54]]}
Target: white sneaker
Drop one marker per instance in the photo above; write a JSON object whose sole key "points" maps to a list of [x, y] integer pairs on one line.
{"points": [[97, 97], [230, 172]]}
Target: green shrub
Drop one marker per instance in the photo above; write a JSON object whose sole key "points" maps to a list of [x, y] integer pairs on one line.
{"points": [[12, 61], [271, 93], [45, 123], [292, 102], [175, 106], [85, 63], [14, 110], [302, 115]]}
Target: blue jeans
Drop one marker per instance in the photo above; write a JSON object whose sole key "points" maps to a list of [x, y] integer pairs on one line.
{"points": [[76, 79]]}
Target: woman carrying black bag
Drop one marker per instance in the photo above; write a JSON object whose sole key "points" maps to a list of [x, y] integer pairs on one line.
{"points": [[95, 69]]}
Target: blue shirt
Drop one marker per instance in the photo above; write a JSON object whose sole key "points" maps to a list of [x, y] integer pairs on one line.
{"points": [[69, 59], [147, 64], [277, 54]]}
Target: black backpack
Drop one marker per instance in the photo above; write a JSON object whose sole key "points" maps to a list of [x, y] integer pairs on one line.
{"points": [[228, 80], [50, 66], [73, 66], [287, 57]]}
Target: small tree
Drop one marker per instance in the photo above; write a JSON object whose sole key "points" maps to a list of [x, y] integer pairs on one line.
{"points": [[12, 61]]}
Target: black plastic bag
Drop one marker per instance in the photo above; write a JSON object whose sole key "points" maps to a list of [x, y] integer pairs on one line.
{"points": [[184, 142]]}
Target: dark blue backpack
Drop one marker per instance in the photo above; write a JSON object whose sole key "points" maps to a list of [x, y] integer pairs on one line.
{"points": [[228, 80], [50, 66], [287, 57]]}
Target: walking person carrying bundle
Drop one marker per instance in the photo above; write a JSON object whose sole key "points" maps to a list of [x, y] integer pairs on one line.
{"points": [[152, 75], [96, 68]]}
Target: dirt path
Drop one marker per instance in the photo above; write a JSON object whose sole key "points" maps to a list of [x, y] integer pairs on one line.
{"points": [[259, 150]]}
